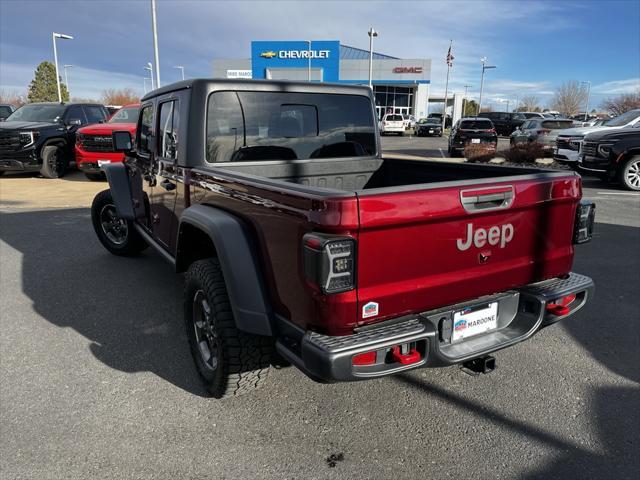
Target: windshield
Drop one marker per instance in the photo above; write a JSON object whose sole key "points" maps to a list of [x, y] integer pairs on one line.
{"points": [[557, 124], [125, 115], [621, 120], [37, 113], [476, 125]]}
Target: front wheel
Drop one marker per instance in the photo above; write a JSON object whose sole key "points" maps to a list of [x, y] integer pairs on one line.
{"points": [[231, 362], [629, 174], [54, 165], [116, 234]]}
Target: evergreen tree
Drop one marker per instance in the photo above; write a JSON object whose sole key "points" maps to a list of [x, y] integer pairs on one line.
{"points": [[43, 86]]}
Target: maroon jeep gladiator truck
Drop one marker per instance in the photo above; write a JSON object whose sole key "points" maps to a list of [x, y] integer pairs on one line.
{"points": [[299, 238]]}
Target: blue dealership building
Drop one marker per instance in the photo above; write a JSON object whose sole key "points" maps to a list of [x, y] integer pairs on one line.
{"points": [[400, 85]]}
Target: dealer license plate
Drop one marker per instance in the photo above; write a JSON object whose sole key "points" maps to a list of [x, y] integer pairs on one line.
{"points": [[430, 131], [103, 162], [474, 320], [555, 150], [475, 140]]}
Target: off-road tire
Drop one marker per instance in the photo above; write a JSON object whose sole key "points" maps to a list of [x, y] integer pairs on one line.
{"points": [[95, 177], [242, 359], [54, 164], [103, 208], [629, 173]]}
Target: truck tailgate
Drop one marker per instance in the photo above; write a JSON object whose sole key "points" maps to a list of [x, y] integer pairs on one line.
{"points": [[428, 246]]}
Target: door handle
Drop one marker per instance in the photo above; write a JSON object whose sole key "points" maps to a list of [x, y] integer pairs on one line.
{"points": [[167, 185]]}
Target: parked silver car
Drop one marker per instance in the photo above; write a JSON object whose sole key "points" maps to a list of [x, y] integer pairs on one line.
{"points": [[541, 130]]}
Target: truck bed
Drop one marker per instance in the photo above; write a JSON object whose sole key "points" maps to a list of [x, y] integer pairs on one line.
{"points": [[353, 175]]}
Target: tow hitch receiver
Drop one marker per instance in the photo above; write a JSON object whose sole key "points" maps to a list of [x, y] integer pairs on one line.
{"points": [[486, 364], [413, 356]]}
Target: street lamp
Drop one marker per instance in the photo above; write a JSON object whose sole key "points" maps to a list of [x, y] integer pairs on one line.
{"points": [[586, 109], [144, 84], [181, 68], [150, 68], [308, 60], [66, 78], [484, 67], [372, 33], [154, 28], [55, 58]]}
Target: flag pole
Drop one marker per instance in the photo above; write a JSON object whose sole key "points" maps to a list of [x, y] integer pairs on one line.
{"points": [[446, 88]]}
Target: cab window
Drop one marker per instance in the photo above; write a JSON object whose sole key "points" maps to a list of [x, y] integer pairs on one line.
{"points": [[168, 130], [145, 130], [74, 115]]}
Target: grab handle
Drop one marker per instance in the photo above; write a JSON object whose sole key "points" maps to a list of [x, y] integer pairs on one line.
{"points": [[488, 198]]}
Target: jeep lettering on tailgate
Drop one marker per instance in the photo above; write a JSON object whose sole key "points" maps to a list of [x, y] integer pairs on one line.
{"points": [[495, 235]]}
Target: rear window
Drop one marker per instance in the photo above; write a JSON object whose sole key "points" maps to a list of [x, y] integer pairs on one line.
{"points": [[557, 124], [476, 125], [253, 126], [394, 118]]}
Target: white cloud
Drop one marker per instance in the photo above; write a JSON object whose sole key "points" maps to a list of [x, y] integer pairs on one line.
{"points": [[83, 82], [617, 87]]}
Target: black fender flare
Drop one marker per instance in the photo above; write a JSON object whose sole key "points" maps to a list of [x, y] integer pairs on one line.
{"points": [[120, 187], [50, 142], [240, 266]]}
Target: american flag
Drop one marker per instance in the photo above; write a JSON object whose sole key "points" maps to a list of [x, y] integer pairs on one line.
{"points": [[450, 57]]}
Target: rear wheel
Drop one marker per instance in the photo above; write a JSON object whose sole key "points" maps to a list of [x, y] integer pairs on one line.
{"points": [[629, 174], [54, 165], [231, 362], [116, 234]]}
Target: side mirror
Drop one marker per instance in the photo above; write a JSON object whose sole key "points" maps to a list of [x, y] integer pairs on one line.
{"points": [[122, 142]]}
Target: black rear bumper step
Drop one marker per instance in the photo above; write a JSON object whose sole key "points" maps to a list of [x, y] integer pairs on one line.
{"points": [[521, 313]]}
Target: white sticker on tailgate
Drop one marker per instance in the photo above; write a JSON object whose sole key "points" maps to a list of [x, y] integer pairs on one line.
{"points": [[474, 320]]}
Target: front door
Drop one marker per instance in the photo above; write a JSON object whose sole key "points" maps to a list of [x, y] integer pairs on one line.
{"points": [[164, 190]]}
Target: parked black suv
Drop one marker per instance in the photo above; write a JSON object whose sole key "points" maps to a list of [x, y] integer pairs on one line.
{"points": [[505, 122], [42, 136], [472, 131], [613, 156]]}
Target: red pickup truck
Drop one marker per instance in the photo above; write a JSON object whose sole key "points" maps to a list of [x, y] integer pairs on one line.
{"points": [[297, 234], [94, 143]]}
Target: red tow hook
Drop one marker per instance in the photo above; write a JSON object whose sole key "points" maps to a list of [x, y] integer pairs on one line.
{"points": [[561, 306], [405, 359]]}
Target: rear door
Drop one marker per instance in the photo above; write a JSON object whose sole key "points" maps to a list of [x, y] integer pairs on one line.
{"points": [[433, 246]]}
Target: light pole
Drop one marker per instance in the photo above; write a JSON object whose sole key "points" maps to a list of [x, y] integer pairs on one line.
{"points": [[156, 57], [66, 78], [586, 109], [309, 60], [517, 102], [372, 33], [144, 84], [466, 89], [55, 58], [181, 68], [484, 67], [150, 68]]}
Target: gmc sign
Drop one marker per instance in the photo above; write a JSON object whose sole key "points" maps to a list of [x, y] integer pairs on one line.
{"points": [[407, 70]]}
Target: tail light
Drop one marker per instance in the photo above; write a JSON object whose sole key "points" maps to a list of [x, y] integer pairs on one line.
{"points": [[329, 262], [493, 130], [544, 131], [585, 219]]}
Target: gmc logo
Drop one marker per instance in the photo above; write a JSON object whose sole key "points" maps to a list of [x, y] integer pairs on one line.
{"points": [[495, 235], [407, 70]]}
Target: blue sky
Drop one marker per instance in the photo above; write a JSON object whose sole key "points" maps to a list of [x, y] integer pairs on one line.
{"points": [[535, 44]]}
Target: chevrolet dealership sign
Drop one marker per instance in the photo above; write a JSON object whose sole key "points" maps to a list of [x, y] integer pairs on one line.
{"points": [[295, 54]]}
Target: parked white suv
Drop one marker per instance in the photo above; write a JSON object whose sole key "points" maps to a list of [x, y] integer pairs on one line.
{"points": [[392, 123], [568, 142]]}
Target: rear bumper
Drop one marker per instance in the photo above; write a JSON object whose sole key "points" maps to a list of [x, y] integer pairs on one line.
{"points": [[521, 314]]}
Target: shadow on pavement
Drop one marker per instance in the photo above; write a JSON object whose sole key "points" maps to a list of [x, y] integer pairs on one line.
{"points": [[129, 308]]}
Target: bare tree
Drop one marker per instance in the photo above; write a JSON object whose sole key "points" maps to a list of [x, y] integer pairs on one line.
{"points": [[529, 103], [622, 103], [12, 97], [569, 98], [123, 96]]}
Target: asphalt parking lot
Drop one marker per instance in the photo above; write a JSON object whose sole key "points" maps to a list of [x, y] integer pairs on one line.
{"points": [[97, 379]]}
